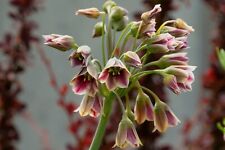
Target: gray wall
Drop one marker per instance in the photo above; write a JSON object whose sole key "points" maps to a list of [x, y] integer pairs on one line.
{"points": [[57, 17]]}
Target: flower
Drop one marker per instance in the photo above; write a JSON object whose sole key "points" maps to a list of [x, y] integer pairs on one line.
{"points": [[176, 32], [90, 106], [143, 109], [85, 82], [89, 12], [180, 24], [132, 59], [60, 42], [98, 30], [173, 59], [147, 16], [127, 134], [115, 74], [162, 43], [179, 78], [164, 117], [79, 56]]}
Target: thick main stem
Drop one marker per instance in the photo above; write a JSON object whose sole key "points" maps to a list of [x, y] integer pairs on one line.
{"points": [[107, 107]]}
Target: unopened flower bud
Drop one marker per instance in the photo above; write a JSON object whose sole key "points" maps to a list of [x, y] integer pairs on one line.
{"points": [[164, 117], [179, 23], [117, 13], [147, 16], [108, 5], [89, 12], [120, 24], [132, 59], [60, 42], [97, 31]]}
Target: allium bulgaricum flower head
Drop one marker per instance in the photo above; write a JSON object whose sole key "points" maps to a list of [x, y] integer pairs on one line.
{"points": [[60, 42], [143, 109], [179, 78], [115, 74], [79, 56], [85, 82], [127, 134], [90, 105], [89, 12], [132, 59], [164, 117]]}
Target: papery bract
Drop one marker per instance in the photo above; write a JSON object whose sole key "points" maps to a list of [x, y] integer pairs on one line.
{"points": [[164, 117], [60, 42], [115, 74], [79, 56], [127, 134]]}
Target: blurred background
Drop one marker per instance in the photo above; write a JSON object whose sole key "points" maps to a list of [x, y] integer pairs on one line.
{"points": [[45, 125]]}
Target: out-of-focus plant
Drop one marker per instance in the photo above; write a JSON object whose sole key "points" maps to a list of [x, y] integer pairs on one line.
{"points": [[121, 71], [221, 127], [211, 108], [221, 57]]}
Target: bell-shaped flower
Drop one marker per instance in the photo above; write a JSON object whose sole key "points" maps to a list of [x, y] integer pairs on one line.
{"points": [[147, 16], [143, 109], [162, 43], [176, 32], [115, 74], [85, 82], [60, 42], [127, 134], [164, 117], [90, 106], [132, 59], [79, 56], [89, 12], [182, 77], [172, 59], [180, 24]]}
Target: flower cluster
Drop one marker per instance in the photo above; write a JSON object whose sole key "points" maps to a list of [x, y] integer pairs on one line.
{"points": [[123, 66]]}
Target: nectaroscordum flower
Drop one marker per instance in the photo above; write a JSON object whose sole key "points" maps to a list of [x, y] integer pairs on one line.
{"points": [[79, 56], [89, 12], [180, 78], [115, 74], [149, 15], [60, 42], [143, 109], [132, 59], [85, 82], [127, 134], [90, 106], [164, 117]]}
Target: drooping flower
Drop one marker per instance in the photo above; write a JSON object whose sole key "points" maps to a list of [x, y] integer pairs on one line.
{"points": [[180, 78], [79, 56], [89, 12], [115, 74], [176, 32], [98, 30], [164, 117], [60, 42], [90, 106], [180, 24], [147, 16], [127, 134], [173, 59], [162, 43], [143, 109], [132, 59], [85, 82]]}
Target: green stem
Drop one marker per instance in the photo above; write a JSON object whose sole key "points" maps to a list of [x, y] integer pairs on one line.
{"points": [[151, 93], [103, 39], [109, 38], [137, 34], [107, 107], [167, 22], [120, 38]]}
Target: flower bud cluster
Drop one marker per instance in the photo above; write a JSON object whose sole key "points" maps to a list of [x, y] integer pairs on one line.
{"points": [[122, 68]]}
